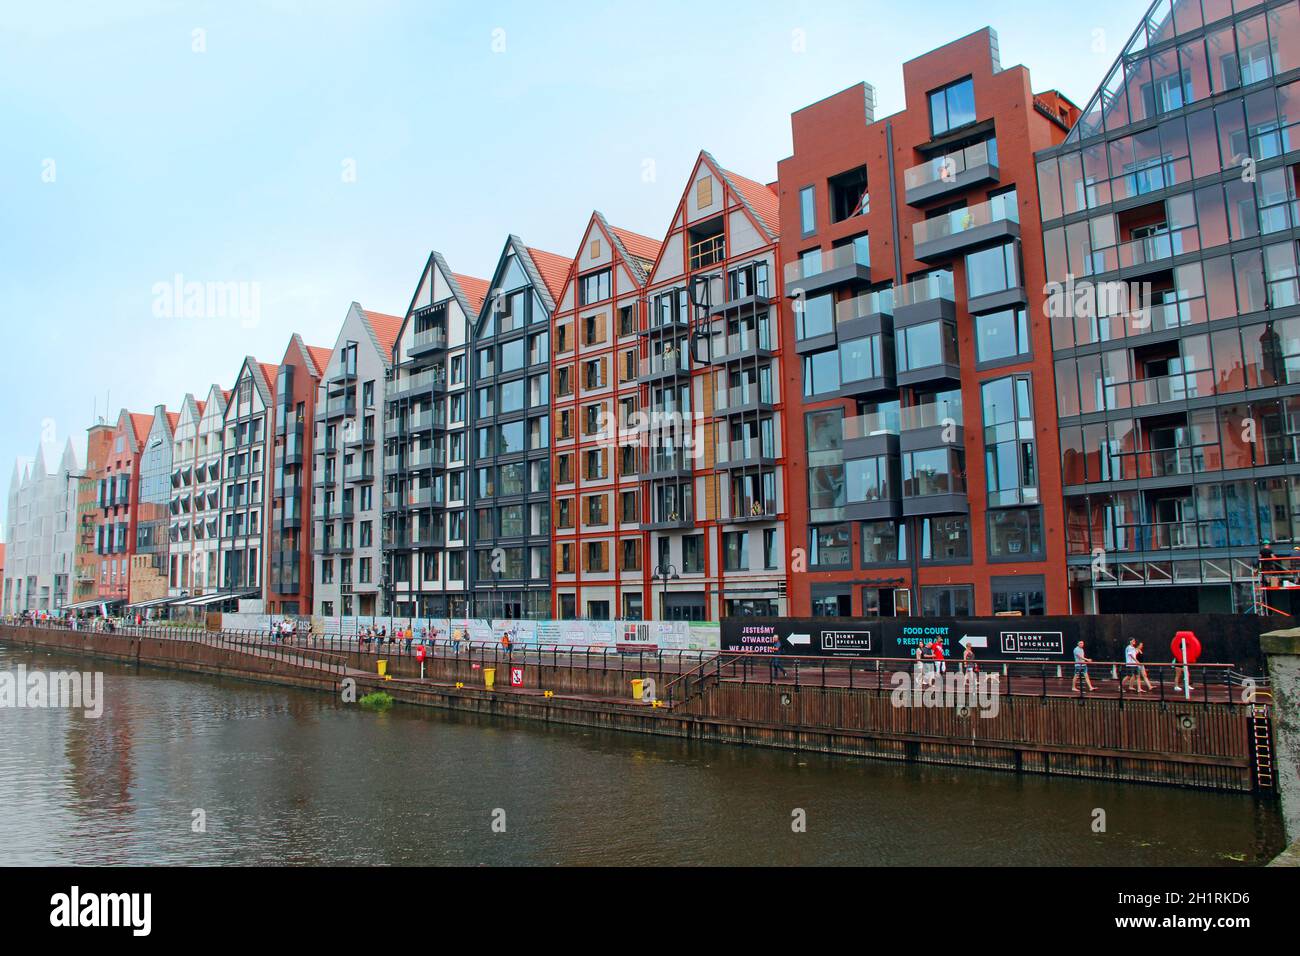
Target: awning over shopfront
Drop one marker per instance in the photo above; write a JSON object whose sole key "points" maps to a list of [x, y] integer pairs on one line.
{"points": [[209, 599], [148, 605], [92, 605]]}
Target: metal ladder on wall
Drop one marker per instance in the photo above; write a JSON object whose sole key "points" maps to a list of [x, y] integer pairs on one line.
{"points": [[1261, 741]]}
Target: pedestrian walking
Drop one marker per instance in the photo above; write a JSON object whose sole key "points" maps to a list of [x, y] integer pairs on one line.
{"points": [[1132, 676], [1143, 676], [1081, 662], [777, 666]]}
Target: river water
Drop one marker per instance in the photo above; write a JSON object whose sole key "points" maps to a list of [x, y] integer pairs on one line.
{"points": [[293, 777]]}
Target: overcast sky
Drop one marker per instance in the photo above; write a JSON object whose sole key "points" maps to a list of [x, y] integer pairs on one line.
{"points": [[320, 150]]}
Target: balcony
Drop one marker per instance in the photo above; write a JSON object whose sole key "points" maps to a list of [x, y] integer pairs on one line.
{"points": [[428, 341], [1152, 250], [291, 514], [931, 425], [961, 230], [427, 420], [670, 462], [741, 399], [746, 305], [671, 520], [344, 370], [674, 364], [952, 173], [849, 263], [869, 436], [425, 537], [417, 459], [746, 345], [359, 474], [1140, 394], [433, 380], [751, 510], [924, 300], [746, 453], [340, 406]]}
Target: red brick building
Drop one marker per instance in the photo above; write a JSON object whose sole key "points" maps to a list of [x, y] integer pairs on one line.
{"points": [[119, 491], [922, 441]]}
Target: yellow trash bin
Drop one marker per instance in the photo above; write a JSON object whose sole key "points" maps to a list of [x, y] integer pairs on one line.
{"points": [[636, 689], [383, 668], [489, 677]]}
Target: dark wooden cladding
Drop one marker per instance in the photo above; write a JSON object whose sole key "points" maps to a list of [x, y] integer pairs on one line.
{"points": [[1129, 740]]}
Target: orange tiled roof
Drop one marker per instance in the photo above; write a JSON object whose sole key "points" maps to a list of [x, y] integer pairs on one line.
{"points": [[172, 419], [643, 247], [140, 424], [202, 405], [475, 290], [386, 328], [269, 374], [554, 270], [762, 199], [320, 358]]}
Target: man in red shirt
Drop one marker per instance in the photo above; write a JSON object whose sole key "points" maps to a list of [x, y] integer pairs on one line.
{"points": [[936, 652]]}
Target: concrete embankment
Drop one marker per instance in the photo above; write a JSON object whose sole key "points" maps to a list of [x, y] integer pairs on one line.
{"points": [[1196, 744]]}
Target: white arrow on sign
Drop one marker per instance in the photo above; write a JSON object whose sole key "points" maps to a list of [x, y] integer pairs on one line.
{"points": [[973, 640], [799, 639]]}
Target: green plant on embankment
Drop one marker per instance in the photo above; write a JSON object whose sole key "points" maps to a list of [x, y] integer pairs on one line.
{"points": [[376, 701]]}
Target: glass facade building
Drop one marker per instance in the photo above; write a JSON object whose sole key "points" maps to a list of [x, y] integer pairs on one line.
{"points": [[1170, 237]]}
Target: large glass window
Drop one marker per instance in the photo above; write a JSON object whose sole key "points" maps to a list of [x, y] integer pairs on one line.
{"points": [[808, 210], [830, 546], [1010, 461], [815, 316], [1018, 595], [1016, 533], [821, 373], [945, 538], [868, 479], [952, 106], [992, 270], [947, 601], [934, 471], [825, 430], [883, 542], [927, 345], [1001, 335]]}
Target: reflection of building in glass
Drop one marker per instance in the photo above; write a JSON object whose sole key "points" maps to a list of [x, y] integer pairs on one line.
{"points": [[1178, 432]]}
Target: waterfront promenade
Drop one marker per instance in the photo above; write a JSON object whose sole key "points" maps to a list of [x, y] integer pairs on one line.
{"points": [[1028, 719]]}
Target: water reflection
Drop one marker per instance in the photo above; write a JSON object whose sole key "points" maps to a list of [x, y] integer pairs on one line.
{"points": [[288, 777]]}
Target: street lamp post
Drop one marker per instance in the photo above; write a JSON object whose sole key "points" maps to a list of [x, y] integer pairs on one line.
{"points": [[665, 573]]}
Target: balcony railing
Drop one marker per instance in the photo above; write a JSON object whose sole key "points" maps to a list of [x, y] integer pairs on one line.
{"points": [[936, 285], [948, 167], [434, 338], [868, 426], [931, 415], [841, 257], [868, 303], [959, 221], [739, 396], [675, 363], [1153, 391]]}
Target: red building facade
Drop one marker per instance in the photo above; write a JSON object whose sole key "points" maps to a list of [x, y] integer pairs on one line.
{"points": [[922, 437]]}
